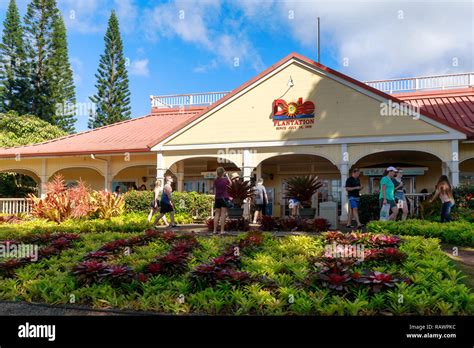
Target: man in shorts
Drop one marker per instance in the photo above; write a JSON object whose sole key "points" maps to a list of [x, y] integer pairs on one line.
{"points": [[353, 188], [260, 199]]}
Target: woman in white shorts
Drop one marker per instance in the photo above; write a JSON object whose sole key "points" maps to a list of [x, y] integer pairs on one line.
{"points": [[294, 206]]}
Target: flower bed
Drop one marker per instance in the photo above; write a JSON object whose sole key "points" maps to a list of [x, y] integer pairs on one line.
{"points": [[255, 274], [457, 233]]}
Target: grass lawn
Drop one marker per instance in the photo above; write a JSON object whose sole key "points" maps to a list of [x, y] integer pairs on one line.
{"points": [[252, 274]]}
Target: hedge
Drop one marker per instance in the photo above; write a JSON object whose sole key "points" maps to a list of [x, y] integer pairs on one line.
{"points": [[195, 204], [456, 232]]}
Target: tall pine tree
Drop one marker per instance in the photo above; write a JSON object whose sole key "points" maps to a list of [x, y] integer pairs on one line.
{"points": [[61, 79], [14, 84], [50, 74], [112, 99]]}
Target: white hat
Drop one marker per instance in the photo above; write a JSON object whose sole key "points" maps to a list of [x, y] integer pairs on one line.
{"points": [[392, 169]]}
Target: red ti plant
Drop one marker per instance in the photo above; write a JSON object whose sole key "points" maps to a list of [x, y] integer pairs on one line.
{"points": [[321, 225]]}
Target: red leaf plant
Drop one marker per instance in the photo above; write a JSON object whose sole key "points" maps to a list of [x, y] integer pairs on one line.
{"points": [[382, 240], [378, 280], [385, 254], [7, 268], [117, 274], [88, 272]]}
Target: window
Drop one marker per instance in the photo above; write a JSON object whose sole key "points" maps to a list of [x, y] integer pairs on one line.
{"points": [[336, 190]]}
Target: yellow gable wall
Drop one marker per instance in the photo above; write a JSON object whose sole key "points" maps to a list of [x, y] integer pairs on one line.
{"points": [[340, 112]]}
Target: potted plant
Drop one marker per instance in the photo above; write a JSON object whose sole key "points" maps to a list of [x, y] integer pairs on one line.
{"points": [[239, 191], [303, 188]]}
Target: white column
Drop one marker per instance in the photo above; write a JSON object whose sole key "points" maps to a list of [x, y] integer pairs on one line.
{"points": [[180, 176], [259, 171], [44, 179], [344, 169], [107, 176], [247, 166], [160, 168], [454, 165]]}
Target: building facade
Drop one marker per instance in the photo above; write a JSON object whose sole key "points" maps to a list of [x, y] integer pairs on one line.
{"points": [[296, 118]]}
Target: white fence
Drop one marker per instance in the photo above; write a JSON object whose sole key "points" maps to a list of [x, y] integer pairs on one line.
{"points": [[14, 205], [436, 82], [177, 100]]}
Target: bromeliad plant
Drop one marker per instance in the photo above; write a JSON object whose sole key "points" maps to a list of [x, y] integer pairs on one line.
{"points": [[240, 191], [386, 254], [377, 280], [302, 188]]}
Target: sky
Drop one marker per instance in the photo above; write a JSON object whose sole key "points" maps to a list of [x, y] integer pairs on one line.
{"points": [[189, 46]]}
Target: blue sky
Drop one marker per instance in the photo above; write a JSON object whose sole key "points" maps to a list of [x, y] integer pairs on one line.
{"points": [[189, 46]]}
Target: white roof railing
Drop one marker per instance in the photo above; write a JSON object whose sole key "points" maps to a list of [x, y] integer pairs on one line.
{"points": [[408, 84], [436, 82], [192, 99]]}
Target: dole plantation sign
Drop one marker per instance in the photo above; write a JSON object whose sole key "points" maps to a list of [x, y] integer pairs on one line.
{"points": [[293, 115]]}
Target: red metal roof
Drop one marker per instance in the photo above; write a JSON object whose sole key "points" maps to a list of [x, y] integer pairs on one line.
{"points": [[455, 106], [135, 135]]}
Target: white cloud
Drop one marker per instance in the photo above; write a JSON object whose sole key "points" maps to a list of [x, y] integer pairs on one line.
{"points": [[127, 13], [200, 23], [84, 16], [77, 68], [139, 67], [204, 68], [381, 39]]}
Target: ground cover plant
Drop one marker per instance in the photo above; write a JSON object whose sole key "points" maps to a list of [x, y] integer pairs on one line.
{"points": [[251, 274], [457, 232]]}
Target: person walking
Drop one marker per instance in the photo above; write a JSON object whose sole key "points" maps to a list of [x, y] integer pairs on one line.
{"points": [[221, 199], [399, 195], [445, 193], [353, 188], [294, 206], [166, 203], [260, 199], [386, 195], [117, 191], [155, 203]]}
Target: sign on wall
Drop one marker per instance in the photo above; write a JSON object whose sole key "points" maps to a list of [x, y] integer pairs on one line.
{"points": [[293, 115]]}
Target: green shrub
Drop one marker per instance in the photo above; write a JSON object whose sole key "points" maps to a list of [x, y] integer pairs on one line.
{"points": [[138, 201], [456, 232], [197, 205], [132, 222]]}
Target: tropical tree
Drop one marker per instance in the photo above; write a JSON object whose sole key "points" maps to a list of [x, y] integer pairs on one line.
{"points": [[22, 130], [112, 99], [61, 79], [50, 74], [14, 85]]}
